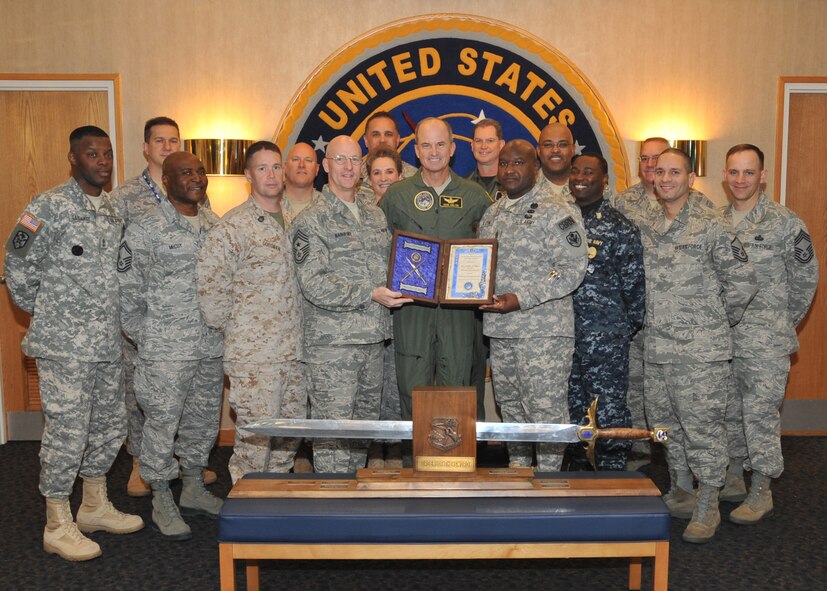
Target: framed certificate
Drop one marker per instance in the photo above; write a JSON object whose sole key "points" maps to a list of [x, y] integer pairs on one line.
{"points": [[428, 269]]}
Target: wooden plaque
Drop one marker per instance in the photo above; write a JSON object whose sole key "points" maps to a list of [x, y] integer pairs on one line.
{"points": [[445, 430]]}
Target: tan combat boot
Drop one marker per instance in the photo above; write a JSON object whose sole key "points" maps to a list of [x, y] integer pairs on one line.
{"points": [[195, 499], [137, 486], [62, 536], [165, 514], [209, 476], [706, 518], [734, 490], [302, 463], [758, 503], [97, 513]]}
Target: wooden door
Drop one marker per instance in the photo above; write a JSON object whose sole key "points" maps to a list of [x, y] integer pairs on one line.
{"points": [[35, 127], [802, 187]]}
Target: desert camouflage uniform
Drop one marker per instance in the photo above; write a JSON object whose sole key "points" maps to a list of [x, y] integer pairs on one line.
{"points": [[434, 344], [608, 309], [782, 254], [61, 267], [178, 377], [636, 205], [541, 258], [339, 261], [247, 288], [698, 283], [133, 198]]}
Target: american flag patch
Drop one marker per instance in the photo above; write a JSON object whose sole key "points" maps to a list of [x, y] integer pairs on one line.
{"points": [[30, 222]]}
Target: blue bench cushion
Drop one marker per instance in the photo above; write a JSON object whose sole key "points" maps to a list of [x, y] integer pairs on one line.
{"points": [[443, 520]]}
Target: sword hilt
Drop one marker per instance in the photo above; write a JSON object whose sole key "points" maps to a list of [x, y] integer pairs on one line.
{"points": [[590, 433]]}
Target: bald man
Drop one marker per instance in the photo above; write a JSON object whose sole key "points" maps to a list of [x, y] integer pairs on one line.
{"points": [[179, 376], [555, 149], [434, 344], [301, 167], [340, 248]]}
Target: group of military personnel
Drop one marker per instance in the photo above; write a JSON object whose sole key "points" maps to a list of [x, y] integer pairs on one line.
{"points": [[667, 311]]}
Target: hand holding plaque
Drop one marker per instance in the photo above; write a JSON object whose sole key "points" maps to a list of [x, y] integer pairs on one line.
{"points": [[428, 269]]}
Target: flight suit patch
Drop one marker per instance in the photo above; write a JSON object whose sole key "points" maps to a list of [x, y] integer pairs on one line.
{"points": [[450, 202]]}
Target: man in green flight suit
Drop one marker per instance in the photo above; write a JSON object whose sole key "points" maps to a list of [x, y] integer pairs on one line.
{"points": [[434, 344]]}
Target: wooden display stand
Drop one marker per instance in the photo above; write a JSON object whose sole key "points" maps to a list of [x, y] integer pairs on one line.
{"points": [[444, 447]]}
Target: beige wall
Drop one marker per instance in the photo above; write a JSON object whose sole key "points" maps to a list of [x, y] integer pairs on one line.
{"points": [[704, 68]]}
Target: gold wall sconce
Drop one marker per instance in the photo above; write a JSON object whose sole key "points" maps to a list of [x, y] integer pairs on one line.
{"points": [[220, 157], [696, 150]]}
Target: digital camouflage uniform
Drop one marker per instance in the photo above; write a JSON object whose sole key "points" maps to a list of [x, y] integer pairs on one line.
{"points": [[698, 283], [541, 258], [559, 192], [636, 205], [61, 267], [178, 377], [133, 198], [434, 344], [339, 261], [247, 288], [608, 309], [782, 254]]}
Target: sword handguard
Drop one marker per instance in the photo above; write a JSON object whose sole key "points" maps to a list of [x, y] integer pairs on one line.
{"points": [[590, 433]]}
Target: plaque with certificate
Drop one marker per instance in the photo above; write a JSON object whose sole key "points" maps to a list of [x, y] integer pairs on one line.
{"points": [[428, 269]]}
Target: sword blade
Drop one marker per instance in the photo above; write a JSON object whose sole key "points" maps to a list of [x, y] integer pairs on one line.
{"points": [[359, 429]]}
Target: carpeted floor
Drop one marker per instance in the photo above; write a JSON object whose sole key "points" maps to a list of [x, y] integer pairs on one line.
{"points": [[788, 551]]}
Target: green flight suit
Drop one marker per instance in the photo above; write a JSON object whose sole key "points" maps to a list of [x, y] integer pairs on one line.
{"points": [[434, 344]]}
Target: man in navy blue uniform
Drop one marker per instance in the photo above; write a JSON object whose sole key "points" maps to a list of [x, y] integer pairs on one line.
{"points": [[608, 309]]}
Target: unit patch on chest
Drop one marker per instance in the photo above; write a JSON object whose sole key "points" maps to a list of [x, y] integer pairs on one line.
{"points": [[423, 200]]}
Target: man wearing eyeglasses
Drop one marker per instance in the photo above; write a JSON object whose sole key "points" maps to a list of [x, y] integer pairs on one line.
{"points": [[555, 148], [434, 344], [247, 288], [340, 249]]}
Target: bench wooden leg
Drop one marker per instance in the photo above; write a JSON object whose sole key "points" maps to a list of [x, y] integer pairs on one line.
{"points": [[226, 567], [252, 575], [661, 567], [635, 571]]}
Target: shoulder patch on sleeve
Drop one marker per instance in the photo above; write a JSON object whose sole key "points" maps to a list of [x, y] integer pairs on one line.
{"points": [[124, 258], [30, 222], [803, 248], [738, 250], [301, 247], [567, 222], [574, 239]]}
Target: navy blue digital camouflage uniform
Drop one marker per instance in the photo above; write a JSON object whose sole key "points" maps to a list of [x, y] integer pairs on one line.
{"points": [[608, 309]]}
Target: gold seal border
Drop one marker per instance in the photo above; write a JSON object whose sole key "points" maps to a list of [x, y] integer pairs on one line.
{"points": [[400, 29]]}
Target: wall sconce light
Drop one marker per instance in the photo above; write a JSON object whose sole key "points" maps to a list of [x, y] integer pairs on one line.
{"points": [[696, 150], [220, 157]]}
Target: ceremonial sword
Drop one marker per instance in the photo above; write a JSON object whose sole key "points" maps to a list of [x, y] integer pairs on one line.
{"points": [[524, 432]]}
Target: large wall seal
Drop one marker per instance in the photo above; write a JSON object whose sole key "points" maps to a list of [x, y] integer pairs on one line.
{"points": [[460, 68]]}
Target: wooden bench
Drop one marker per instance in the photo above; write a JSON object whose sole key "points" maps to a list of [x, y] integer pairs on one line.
{"points": [[339, 517]]}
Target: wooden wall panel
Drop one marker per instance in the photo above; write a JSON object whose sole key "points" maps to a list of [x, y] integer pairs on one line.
{"points": [[806, 182]]}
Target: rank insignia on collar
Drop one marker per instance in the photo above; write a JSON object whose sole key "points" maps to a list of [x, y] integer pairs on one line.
{"points": [[450, 202], [424, 200], [592, 252]]}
